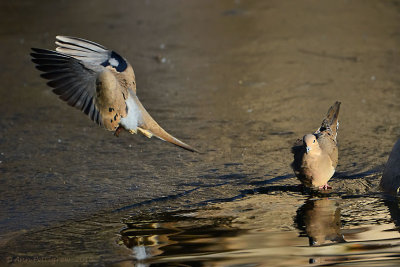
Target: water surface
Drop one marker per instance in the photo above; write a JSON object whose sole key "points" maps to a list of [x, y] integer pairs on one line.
{"points": [[240, 81]]}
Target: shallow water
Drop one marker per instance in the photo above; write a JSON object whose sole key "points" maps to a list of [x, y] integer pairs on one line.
{"points": [[279, 229], [320, 231], [239, 80]]}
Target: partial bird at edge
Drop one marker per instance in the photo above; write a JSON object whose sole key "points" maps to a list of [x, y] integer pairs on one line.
{"points": [[390, 181]]}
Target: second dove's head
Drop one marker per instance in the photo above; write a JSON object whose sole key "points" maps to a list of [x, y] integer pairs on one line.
{"points": [[311, 144]]}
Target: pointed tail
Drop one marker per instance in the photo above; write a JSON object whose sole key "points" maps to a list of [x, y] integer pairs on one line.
{"points": [[149, 127], [331, 121]]}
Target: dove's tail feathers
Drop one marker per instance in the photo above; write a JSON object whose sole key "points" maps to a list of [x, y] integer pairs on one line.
{"points": [[331, 121], [333, 114], [160, 133], [149, 127]]}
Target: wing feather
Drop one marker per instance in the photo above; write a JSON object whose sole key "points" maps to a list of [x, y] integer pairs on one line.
{"points": [[71, 80], [90, 53]]}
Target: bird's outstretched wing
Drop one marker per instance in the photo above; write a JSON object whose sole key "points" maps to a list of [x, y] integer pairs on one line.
{"points": [[87, 76], [71, 80], [93, 55]]}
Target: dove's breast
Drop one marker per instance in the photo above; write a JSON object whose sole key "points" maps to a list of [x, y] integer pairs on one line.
{"points": [[134, 114], [322, 170]]}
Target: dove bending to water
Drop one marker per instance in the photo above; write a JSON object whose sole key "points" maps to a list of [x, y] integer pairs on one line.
{"points": [[100, 83], [390, 181], [316, 156]]}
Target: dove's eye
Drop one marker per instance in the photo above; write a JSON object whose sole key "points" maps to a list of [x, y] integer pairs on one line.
{"points": [[313, 141]]}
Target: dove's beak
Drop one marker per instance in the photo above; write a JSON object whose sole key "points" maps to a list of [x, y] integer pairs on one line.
{"points": [[308, 149]]}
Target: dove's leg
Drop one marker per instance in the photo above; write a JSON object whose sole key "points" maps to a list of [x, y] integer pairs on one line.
{"points": [[325, 187], [117, 132]]}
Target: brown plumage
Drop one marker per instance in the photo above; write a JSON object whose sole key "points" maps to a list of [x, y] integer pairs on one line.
{"points": [[99, 82], [316, 155]]}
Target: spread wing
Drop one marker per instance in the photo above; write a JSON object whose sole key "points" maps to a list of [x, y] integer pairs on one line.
{"points": [[75, 71], [71, 80], [90, 53]]}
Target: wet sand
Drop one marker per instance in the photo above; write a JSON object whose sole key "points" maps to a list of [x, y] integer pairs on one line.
{"points": [[239, 80]]}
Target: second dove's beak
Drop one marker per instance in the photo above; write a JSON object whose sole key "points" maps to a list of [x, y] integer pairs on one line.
{"points": [[308, 149]]}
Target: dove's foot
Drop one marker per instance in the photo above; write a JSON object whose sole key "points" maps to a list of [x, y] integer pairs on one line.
{"points": [[325, 187], [147, 133]]}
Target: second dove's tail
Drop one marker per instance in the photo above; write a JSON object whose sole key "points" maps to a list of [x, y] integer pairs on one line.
{"points": [[150, 127], [331, 121]]}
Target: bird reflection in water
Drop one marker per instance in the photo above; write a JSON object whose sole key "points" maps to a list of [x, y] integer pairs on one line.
{"points": [[180, 236], [147, 239], [320, 221]]}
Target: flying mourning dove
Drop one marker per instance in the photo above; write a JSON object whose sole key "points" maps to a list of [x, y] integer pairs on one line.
{"points": [[390, 181], [316, 156], [100, 83]]}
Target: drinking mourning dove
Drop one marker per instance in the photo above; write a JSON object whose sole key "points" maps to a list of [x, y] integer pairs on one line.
{"points": [[100, 83], [390, 181], [316, 156]]}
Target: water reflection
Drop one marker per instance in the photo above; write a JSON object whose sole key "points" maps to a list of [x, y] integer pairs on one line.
{"points": [[174, 234], [319, 220], [146, 239], [275, 229], [392, 203], [217, 237], [329, 231]]}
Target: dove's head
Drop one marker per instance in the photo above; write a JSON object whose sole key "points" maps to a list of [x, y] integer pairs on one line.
{"points": [[311, 144]]}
